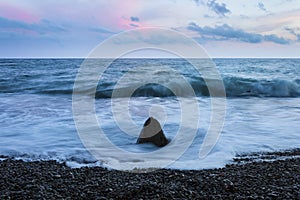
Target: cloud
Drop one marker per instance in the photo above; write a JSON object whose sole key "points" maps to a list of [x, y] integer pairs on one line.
{"points": [[244, 17], [219, 9], [48, 26], [274, 38], [41, 28], [7, 23], [134, 25], [293, 31], [226, 32], [46, 39], [13, 12], [101, 30], [262, 6], [199, 2], [134, 19], [208, 16]]}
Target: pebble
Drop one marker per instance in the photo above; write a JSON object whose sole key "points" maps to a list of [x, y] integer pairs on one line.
{"points": [[51, 180]]}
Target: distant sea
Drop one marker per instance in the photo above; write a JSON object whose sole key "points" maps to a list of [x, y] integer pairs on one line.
{"points": [[36, 121]]}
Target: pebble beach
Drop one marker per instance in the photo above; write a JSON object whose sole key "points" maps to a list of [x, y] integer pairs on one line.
{"points": [[257, 176]]}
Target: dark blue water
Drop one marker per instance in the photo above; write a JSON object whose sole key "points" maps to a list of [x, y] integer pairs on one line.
{"points": [[242, 77], [36, 118]]}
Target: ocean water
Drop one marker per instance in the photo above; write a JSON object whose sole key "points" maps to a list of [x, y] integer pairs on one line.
{"points": [[37, 122]]}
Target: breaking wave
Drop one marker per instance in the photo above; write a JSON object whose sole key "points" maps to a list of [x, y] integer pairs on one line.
{"points": [[235, 87]]}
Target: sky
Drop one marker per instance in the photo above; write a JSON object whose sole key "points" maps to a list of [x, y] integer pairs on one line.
{"points": [[224, 28]]}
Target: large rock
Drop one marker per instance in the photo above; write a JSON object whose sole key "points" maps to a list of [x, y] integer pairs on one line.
{"points": [[152, 132]]}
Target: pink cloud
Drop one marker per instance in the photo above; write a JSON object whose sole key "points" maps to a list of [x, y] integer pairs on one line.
{"points": [[16, 13], [115, 15], [112, 15]]}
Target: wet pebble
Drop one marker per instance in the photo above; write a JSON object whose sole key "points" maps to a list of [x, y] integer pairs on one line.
{"points": [[51, 180]]}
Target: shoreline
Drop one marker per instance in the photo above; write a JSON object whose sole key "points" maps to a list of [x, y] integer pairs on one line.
{"points": [[254, 176]]}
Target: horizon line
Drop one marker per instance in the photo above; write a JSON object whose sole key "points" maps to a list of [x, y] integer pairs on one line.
{"points": [[150, 58]]}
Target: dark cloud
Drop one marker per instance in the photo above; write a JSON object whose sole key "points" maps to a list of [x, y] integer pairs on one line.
{"points": [[293, 32], [208, 16], [274, 38], [47, 25], [219, 9], [134, 19], [41, 28], [226, 32], [6, 23], [100, 30], [134, 25], [262, 6], [199, 2]]}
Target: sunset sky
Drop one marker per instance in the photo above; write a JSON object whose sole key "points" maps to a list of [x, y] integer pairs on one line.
{"points": [[72, 28]]}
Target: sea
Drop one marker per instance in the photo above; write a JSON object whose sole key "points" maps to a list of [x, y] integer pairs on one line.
{"points": [[37, 110]]}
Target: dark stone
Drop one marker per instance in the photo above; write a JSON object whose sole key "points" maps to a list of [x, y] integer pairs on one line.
{"points": [[153, 133]]}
